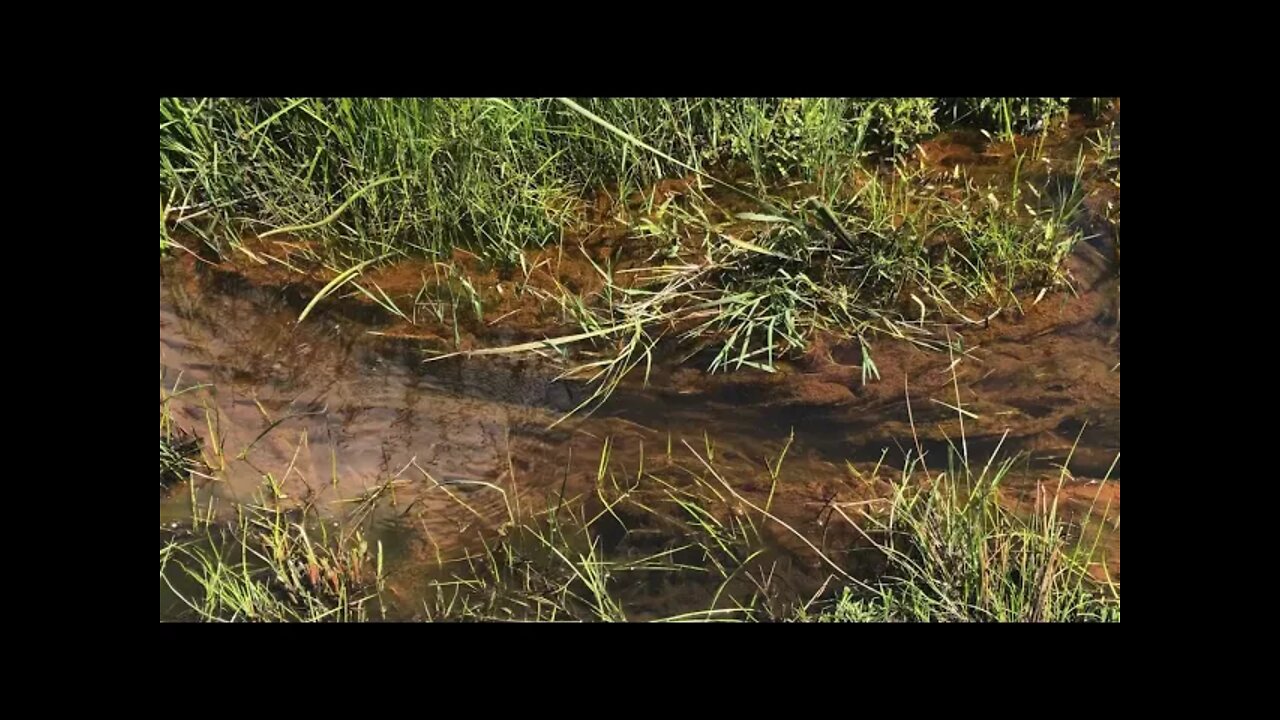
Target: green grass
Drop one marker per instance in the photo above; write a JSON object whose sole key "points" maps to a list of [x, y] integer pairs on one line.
{"points": [[957, 555], [271, 565], [179, 449], [1010, 116], [176, 458], [368, 177], [884, 255], [266, 563], [946, 555]]}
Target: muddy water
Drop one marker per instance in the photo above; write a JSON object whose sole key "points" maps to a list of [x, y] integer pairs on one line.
{"points": [[354, 425]]}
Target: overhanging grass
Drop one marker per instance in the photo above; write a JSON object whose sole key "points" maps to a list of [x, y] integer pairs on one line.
{"points": [[760, 285]]}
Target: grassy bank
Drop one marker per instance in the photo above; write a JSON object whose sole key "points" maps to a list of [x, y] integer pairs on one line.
{"points": [[369, 177], [792, 216]]}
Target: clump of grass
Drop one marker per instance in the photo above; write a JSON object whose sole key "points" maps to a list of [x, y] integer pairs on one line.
{"points": [[1011, 116], [760, 285], [264, 563], [269, 565], [959, 555], [1107, 146], [546, 569], [179, 449], [178, 457], [365, 178]]}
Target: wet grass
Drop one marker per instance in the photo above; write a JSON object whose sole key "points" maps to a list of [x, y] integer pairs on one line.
{"points": [[1106, 145], [268, 563]]}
